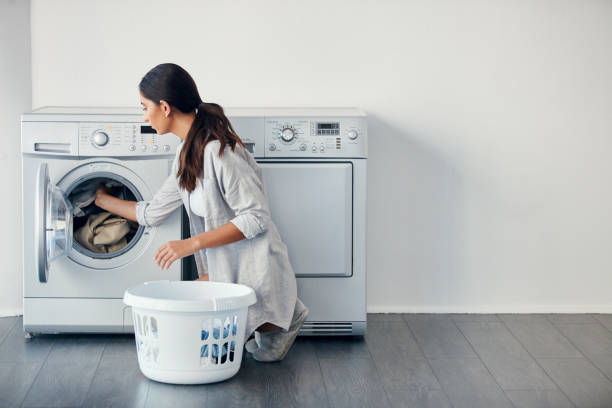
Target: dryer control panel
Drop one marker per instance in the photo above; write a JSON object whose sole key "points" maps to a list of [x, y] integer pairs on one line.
{"points": [[303, 136], [124, 139], [315, 137]]}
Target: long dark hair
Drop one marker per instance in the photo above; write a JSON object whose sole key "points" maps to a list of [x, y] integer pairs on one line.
{"points": [[171, 83]]}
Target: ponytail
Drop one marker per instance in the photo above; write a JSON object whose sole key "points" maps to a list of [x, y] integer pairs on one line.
{"points": [[210, 124]]}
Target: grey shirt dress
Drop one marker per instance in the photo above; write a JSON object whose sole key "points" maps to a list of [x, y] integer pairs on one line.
{"points": [[233, 191]]}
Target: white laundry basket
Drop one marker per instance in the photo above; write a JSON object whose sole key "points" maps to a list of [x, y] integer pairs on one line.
{"points": [[189, 332]]}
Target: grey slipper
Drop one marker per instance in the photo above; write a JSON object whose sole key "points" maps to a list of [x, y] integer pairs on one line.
{"points": [[273, 346]]}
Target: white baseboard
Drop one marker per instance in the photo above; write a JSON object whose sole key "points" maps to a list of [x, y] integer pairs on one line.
{"points": [[11, 312], [491, 309]]}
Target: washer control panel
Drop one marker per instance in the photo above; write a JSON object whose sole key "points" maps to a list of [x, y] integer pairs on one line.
{"points": [[315, 137], [124, 139]]}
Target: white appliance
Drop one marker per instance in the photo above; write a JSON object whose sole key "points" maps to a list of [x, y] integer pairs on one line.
{"points": [[314, 162], [68, 288]]}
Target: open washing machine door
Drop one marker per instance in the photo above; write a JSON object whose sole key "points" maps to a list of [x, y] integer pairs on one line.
{"points": [[53, 223]]}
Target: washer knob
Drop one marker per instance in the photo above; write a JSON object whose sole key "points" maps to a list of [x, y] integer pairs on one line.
{"points": [[155, 148], [100, 138], [303, 147], [166, 148], [272, 147], [352, 134], [143, 148], [132, 147]]}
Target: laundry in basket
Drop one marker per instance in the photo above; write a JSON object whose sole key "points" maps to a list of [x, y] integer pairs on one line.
{"points": [[189, 332]]}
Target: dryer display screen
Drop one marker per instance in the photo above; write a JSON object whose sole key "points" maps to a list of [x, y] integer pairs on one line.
{"points": [[328, 129]]}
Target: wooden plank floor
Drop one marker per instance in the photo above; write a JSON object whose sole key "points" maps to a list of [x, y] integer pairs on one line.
{"points": [[405, 360]]}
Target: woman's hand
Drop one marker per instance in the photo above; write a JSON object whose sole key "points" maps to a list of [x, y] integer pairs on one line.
{"points": [[173, 250], [101, 192]]}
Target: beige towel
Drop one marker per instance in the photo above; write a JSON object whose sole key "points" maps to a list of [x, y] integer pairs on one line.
{"points": [[103, 233]]}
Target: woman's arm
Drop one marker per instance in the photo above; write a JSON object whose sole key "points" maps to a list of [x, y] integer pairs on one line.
{"points": [[173, 250], [123, 208]]}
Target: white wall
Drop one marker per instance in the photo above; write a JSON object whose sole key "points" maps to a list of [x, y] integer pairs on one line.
{"points": [[15, 98], [490, 124]]}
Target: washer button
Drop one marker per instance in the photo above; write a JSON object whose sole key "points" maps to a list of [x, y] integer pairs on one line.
{"points": [[166, 148], [155, 148], [143, 148], [322, 148], [132, 147], [314, 148]]}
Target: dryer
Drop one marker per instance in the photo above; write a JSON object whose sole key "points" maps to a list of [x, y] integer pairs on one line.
{"points": [[314, 163]]}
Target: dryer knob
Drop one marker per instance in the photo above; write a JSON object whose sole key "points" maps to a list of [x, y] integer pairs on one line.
{"points": [[287, 134], [100, 138]]}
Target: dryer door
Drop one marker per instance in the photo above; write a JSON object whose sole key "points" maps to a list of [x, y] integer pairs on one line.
{"points": [[53, 223], [312, 205]]}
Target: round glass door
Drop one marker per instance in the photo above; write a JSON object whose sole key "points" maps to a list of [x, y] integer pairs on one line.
{"points": [[59, 224], [53, 223]]}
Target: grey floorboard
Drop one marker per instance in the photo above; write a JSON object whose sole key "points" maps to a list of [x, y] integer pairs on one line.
{"points": [[405, 373], [393, 338], [385, 317], [297, 381], [60, 385], [590, 339], [605, 319], [249, 387], [161, 395], [78, 348], [474, 317], [468, 383], [339, 347], [438, 336], [604, 363], [418, 398], [410, 381], [539, 399], [540, 337], [566, 318], [6, 324], [15, 349], [120, 347], [352, 383], [581, 381], [15, 381], [505, 357], [118, 384]]}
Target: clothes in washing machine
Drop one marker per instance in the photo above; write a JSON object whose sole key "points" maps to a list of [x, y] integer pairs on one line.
{"points": [[83, 196], [93, 228], [104, 232]]}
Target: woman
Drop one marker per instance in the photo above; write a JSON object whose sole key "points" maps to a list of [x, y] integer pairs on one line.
{"points": [[233, 238]]}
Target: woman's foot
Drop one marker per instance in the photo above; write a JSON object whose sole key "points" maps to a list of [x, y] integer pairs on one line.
{"points": [[274, 345]]}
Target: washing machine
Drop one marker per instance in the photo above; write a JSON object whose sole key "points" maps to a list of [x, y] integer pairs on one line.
{"points": [[68, 286]]}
